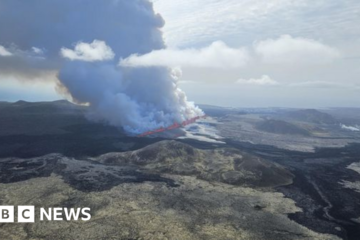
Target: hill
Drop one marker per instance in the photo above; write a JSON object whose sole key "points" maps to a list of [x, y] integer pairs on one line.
{"points": [[312, 116], [281, 127], [225, 165]]}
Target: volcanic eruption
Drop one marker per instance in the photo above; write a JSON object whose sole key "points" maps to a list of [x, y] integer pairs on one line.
{"points": [[83, 41]]}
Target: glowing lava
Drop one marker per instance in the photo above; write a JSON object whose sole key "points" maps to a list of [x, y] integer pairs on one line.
{"points": [[174, 126]]}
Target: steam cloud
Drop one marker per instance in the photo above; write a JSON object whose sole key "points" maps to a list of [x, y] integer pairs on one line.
{"points": [[83, 40]]}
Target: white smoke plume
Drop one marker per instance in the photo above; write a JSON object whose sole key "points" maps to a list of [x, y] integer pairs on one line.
{"points": [[83, 40]]}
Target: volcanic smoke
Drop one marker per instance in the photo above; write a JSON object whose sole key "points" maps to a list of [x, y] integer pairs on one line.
{"points": [[84, 40]]}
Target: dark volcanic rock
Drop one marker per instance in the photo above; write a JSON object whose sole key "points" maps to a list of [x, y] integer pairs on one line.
{"points": [[225, 165], [97, 174], [80, 174]]}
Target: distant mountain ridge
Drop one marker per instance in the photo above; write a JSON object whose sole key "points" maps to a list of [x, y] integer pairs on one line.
{"points": [[281, 127], [312, 116]]}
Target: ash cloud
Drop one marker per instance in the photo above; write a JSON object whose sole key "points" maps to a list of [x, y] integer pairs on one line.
{"points": [[83, 40]]}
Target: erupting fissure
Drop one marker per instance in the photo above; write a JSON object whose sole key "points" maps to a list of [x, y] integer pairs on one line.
{"points": [[174, 126]]}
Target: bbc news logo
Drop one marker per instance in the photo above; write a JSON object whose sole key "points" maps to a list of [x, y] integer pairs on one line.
{"points": [[26, 214]]}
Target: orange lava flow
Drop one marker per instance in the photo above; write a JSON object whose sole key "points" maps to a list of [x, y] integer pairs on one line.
{"points": [[174, 126]]}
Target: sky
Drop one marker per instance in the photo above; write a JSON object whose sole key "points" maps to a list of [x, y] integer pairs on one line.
{"points": [[235, 53]]}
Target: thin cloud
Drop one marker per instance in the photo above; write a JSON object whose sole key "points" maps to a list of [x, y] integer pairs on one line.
{"points": [[37, 50], [217, 55], [287, 50], [264, 80], [323, 85], [189, 21]]}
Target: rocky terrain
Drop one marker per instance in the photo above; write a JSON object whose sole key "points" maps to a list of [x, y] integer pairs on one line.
{"points": [[167, 190], [227, 165], [276, 130], [267, 174], [196, 209]]}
